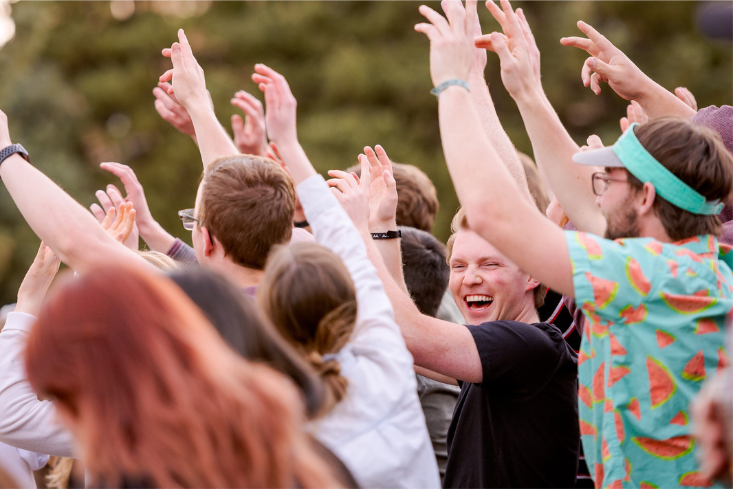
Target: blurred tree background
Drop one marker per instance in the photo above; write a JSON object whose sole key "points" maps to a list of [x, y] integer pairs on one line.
{"points": [[78, 76]]}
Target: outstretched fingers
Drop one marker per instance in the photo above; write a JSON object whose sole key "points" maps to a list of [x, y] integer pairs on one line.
{"points": [[595, 36], [436, 20], [384, 160]]}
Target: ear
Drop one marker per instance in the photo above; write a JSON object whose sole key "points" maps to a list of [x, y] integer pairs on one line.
{"points": [[531, 284], [648, 193], [209, 244]]}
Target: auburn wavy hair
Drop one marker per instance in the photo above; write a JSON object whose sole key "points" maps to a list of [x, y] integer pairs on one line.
{"points": [[155, 397]]}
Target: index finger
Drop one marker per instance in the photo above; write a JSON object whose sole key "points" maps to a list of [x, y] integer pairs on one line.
{"points": [[595, 36], [383, 158], [347, 177], [435, 19], [512, 28], [374, 164]]}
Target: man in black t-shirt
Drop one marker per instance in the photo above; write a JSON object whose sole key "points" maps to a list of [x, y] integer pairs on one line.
{"points": [[516, 420]]}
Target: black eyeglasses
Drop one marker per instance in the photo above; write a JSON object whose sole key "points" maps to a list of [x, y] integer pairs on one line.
{"points": [[600, 182], [187, 219]]}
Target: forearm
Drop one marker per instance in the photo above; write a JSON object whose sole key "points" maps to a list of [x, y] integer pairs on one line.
{"points": [[553, 150], [494, 130], [296, 160], [660, 102], [213, 141], [157, 238], [391, 254], [64, 225], [26, 422]]}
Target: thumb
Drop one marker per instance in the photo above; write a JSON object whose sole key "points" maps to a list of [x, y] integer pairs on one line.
{"points": [[601, 67], [391, 182], [177, 57], [499, 44]]}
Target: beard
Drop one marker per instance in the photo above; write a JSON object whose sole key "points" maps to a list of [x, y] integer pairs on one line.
{"points": [[623, 223]]}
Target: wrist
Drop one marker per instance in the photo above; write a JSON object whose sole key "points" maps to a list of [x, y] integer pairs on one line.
{"points": [[382, 226]]}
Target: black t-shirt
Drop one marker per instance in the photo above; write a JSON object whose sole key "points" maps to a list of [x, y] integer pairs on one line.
{"points": [[519, 427]]}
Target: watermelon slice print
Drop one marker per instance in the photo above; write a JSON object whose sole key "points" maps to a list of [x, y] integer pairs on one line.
{"points": [[648, 485], [590, 245], [604, 290], [723, 360], [661, 383], [585, 396], [616, 374], [669, 449], [706, 325], [672, 267], [617, 484], [587, 428], [605, 454], [694, 239], [689, 304], [616, 348], [680, 419], [583, 356], [664, 339], [607, 406], [599, 393], [634, 408], [654, 247], [620, 433], [695, 368], [695, 479], [691, 254], [627, 466], [636, 277], [633, 315], [598, 479]]}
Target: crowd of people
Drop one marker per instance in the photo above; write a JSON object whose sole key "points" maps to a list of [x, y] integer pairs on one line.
{"points": [[570, 333]]}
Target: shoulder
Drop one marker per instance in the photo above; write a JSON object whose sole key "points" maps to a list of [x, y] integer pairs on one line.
{"points": [[516, 334]]}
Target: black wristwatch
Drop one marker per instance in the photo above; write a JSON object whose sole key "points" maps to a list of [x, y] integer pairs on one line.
{"points": [[387, 235], [11, 150], [301, 224]]}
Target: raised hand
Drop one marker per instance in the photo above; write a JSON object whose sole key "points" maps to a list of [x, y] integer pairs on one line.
{"points": [[607, 64], [451, 41], [473, 28], [517, 51], [634, 113], [686, 96], [382, 190], [171, 111], [37, 281], [281, 105], [352, 193], [112, 198], [121, 228], [250, 134], [188, 83]]}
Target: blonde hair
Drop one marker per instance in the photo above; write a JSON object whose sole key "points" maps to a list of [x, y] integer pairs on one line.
{"points": [[159, 260], [309, 296]]}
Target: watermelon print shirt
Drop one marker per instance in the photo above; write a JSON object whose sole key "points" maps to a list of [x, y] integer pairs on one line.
{"points": [[655, 316]]}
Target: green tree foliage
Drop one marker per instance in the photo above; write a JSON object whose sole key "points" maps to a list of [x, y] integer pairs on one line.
{"points": [[77, 88]]}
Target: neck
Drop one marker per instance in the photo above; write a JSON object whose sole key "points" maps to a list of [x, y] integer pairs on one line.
{"points": [[652, 228], [237, 274], [528, 314]]}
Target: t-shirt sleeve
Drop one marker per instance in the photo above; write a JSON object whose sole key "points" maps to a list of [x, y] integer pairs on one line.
{"points": [[516, 356], [613, 279]]}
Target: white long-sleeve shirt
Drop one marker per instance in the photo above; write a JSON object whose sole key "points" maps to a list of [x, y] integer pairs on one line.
{"points": [[26, 422], [378, 430]]}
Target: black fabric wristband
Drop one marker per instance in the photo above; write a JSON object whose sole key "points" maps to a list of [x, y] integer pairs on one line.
{"points": [[387, 235], [11, 150], [301, 224]]}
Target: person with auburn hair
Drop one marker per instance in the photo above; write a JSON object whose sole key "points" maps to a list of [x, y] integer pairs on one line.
{"points": [[155, 398], [655, 290], [327, 300]]}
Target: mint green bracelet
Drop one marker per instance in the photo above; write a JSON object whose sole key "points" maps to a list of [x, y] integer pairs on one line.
{"points": [[455, 81]]}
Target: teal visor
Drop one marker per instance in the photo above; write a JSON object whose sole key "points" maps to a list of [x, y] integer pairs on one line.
{"points": [[630, 154]]}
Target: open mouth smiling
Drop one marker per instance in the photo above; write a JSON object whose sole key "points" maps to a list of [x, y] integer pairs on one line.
{"points": [[478, 302]]}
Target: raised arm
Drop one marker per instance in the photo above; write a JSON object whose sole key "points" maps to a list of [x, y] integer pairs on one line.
{"points": [[552, 145], [609, 64], [61, 222], [188, 85], [26, 422], [494, 206], [485, 105]]}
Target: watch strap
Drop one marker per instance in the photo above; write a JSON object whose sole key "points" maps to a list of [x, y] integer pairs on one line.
{"points": [[11, 150], [387, 235]]}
